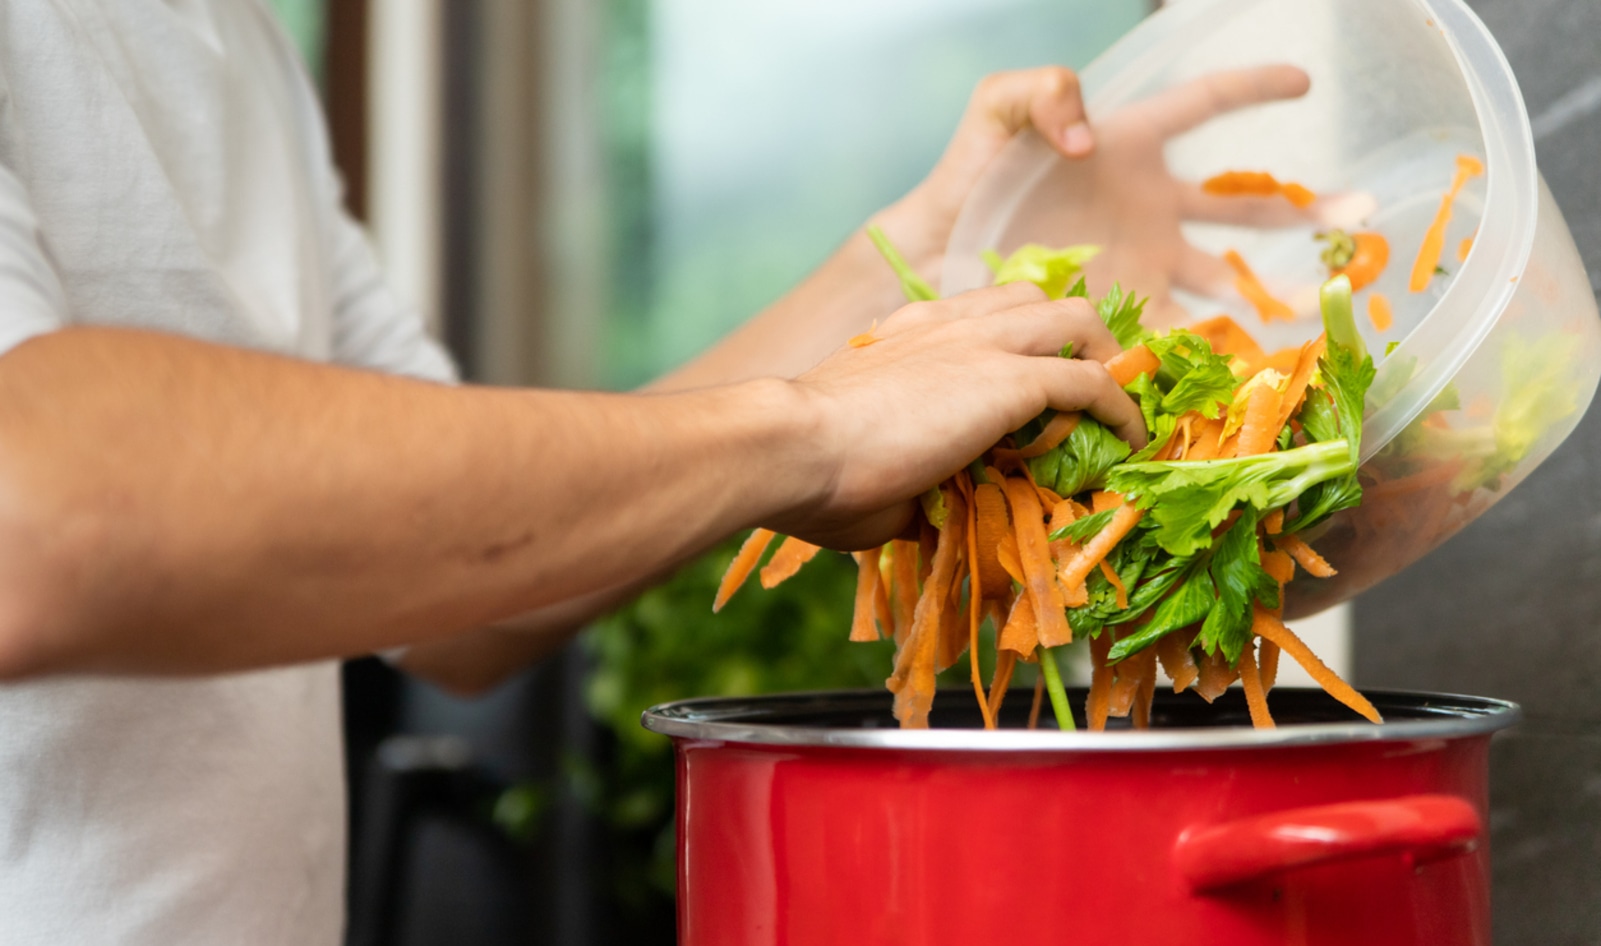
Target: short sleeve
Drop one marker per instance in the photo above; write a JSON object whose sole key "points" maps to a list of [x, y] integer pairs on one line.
{"points": [[371, 328], [32, 301]]}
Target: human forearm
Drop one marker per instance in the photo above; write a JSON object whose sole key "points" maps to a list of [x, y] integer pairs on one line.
{"points": [[176, 506], [840, 299], [473, 663]]}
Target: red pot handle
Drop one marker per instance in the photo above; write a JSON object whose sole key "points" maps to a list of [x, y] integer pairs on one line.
{"points": [[1428, 827]]}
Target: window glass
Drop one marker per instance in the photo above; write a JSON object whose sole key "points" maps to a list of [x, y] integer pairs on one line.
{"points": [[751, 138], [304, 21]]}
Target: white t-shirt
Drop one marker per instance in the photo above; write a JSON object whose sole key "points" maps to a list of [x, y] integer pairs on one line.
{"points": [[163, 164]]}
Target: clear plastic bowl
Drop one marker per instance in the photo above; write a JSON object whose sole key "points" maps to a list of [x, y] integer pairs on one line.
{"points": [[1399, 88]]}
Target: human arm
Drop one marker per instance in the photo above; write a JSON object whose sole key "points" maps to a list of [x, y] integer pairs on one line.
{"points": [[167, 505]]}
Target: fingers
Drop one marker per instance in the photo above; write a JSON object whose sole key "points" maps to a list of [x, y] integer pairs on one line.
{"points": [[1343, 210], [1074, 384], [1242, 211], [975, 302], [1044, 328], [1049, 99], [1186, 106]]}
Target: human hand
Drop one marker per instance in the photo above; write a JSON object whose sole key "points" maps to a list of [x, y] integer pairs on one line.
{"points": [[1115, 190], [943, 383], [1002, 105]]}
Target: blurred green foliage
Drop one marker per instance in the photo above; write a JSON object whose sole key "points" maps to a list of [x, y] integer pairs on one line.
{"points": [[668, 645]]}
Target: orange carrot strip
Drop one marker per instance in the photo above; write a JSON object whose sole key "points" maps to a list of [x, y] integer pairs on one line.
{"points": [[1268, 664], [1464, 248], [1117, 584], [1227, 338], [1078, 568], [1437, 475], [1278, 565], [1178, 661], [743, 564], [1257, 184], [1057, 430], [1300, 376], [1298, 195], [1208, 440], [1215, 676], [1021, 633], [975, 606], [881, 606], [927, 540], [1128, 679], [1316, 565], [868, 579], [913, 679], [1428, 260], [1260, 430], [1033, 547], [1283, 361], [1005, 664], [1132, 363], [1255, 693], [1269, 627], [864, 339], [787, 561], [1248, 285], [1368, 262], [1011, 563], [1241, 184], [954, 618], [1145, 694], [1039, 698], [1063, 514], [993, 527], [903, 570], [1099, 700], [1273, 522], [1380, 313]]}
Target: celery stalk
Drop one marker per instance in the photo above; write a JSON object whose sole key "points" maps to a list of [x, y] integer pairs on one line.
{"points": [[1339, 316], [1053, 686]]}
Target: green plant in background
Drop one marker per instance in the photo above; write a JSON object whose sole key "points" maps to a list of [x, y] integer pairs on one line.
{"points": [[668, 645]]}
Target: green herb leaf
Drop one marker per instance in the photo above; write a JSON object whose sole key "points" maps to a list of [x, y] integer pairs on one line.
{"points": [[1347, 379], [1237, 575], [1082, 530], [1324, 500], [1186, 500], [1194, 377], [1191, 602], [1080, 462], [1121, 312], [1158, 423], [1050, 269]]}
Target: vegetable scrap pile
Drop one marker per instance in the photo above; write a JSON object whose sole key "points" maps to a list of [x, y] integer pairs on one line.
{"points": [[1175, 555]]}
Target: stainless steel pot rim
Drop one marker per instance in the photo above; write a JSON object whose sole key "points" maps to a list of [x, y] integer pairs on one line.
{"points": [[739, 720]]}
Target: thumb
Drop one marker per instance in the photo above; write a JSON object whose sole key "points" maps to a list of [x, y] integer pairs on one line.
{"points": [[1048, 98]]}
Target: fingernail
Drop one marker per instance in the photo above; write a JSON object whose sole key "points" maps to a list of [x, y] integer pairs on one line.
{"points": [[1077, 139]]}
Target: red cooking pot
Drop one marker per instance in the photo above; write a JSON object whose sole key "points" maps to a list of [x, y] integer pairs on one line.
{"points": [[811, 819]]}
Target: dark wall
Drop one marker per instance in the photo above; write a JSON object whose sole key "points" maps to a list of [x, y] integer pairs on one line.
{"points": [[1511, 607]]}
